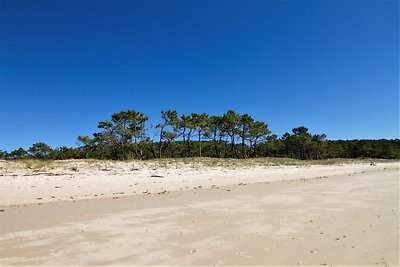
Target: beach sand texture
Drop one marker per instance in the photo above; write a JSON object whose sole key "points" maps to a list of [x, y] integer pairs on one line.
{"points": [[313, 215], [81, 179]]}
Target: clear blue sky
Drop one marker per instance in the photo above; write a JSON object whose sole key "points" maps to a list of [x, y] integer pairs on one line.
{"points": [[332, 66]]}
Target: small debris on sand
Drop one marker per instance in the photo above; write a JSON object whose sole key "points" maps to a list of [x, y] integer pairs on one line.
{"points": [[157, 176]]}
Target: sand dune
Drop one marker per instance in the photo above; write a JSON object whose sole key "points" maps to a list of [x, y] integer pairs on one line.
{"points": [[76, 180]]}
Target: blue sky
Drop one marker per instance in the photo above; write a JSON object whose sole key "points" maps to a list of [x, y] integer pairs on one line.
{"points": [[332, 66]]}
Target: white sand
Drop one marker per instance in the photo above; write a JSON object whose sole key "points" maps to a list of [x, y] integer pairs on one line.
{"points": [[350, 219], [78, 180]]}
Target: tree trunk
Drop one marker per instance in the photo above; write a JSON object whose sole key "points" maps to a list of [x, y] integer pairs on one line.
{"points": [[215, 144], [153, 152], [233, 150], [160, 145], [184, 142], [219, 146], [188, 145], [243, 148], [226, 148], [255, 148], [199, 143]]}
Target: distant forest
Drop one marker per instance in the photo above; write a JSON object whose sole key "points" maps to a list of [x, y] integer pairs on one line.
{"points": [[230, 135]]}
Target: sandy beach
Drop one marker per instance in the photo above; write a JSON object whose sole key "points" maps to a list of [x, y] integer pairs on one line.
{"points": [[345, 214], [71, 180]]}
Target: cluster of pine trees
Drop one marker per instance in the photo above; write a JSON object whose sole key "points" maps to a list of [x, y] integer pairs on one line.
{"points": [[230, 135]]}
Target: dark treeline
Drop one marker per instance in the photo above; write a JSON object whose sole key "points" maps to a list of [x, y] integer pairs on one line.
{"points": [[230, 135]]}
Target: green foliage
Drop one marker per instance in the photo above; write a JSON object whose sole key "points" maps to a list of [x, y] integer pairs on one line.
{"points": [[4, 154], [39, 150], [200, 123], [230, 135], [168, 129], [18, 154]]}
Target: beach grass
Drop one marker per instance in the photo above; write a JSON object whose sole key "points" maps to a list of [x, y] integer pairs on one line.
{"points": [[38, 165]]}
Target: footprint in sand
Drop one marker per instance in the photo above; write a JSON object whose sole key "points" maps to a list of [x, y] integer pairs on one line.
{"points": [[218, 263], [246, 254]]}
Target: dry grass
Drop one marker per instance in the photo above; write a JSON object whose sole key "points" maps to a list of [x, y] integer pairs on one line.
{"points": [[251, 162], [36, 165]]}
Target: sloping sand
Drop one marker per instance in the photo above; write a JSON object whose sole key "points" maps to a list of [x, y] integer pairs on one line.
{"points": [[78, 180], [350, 219]]}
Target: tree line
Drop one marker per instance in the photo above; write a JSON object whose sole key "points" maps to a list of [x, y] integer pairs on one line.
{"points": [[230, 135]]}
